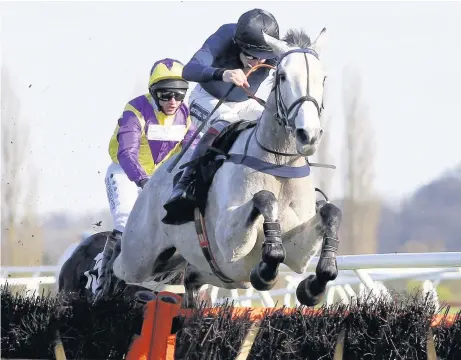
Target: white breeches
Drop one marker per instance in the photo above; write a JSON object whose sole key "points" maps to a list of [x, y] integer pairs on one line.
{"points": [[201, 104], [121, 194]]}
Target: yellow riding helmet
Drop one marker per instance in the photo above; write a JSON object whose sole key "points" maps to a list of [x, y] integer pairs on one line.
{"points": [[167, 73]]}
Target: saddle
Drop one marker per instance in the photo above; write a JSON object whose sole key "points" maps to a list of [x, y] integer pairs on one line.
{"points": [[206, 166]]}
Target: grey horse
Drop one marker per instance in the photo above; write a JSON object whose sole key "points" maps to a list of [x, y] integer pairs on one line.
{"points": [[261, 207]]}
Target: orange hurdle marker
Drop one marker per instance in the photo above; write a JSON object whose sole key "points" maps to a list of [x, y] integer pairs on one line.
{"points": [[152, 344]]}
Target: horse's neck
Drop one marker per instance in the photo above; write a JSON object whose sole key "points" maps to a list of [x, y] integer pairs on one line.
{"points": [[275, 137]]}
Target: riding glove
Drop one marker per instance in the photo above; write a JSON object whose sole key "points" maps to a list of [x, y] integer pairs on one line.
{"points": [[142, 182]]}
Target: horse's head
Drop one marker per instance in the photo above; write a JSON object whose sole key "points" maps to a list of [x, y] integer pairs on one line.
{"points": [[298, 87]]}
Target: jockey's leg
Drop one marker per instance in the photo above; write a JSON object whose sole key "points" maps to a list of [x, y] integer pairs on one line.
{"points": [[179, 200], [121, 194], [201, 105]]}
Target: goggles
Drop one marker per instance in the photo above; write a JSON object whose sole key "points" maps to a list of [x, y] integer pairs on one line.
{"points": [[166, 95], [248, 56]]}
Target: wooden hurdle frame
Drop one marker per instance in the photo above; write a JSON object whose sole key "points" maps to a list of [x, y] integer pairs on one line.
{"points": [[157, 343]]}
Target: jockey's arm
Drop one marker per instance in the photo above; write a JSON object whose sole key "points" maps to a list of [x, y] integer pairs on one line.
{"points": [[199, 68], [129, 139]]}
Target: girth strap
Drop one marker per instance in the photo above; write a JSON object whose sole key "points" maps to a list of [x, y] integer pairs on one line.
{"points": [[205, 246]]}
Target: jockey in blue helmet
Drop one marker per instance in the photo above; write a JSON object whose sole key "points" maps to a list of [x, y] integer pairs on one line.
{"points": [[222, 61]]}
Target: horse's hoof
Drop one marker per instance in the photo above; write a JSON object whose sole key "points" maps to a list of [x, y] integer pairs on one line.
{"points": [[263, 277], [310, 291], [273, 253], [327, 269], [144, 296]]}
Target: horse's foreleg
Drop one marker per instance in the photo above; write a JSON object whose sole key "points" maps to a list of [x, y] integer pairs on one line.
{"points": [[265, 274], [327, 269], [311, 290]]}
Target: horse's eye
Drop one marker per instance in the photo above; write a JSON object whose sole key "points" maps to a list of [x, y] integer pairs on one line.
{"points": [[283, 77]]}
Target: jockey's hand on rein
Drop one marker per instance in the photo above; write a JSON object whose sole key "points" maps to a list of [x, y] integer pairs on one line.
{"points": [[142, 182], [236, 76]]}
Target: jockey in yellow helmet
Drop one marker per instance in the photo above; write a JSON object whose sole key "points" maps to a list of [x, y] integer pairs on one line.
{"points": [[152, 128]]}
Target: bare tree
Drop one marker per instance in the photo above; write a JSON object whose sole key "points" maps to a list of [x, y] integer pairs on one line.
{"points": [[21, 235], [324, 156], [361, 206]]}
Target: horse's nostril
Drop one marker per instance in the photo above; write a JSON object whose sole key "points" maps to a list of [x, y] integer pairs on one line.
{"points": [[302, 136]]}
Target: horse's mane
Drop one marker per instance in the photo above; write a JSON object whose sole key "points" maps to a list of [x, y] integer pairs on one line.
{"points": [[294, 37], [297, 38]]}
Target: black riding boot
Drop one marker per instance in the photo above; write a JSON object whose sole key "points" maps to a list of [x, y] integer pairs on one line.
{"points": [[103, 275], [179, 206]]}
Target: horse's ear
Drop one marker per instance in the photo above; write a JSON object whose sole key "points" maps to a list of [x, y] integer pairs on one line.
{"points": [[279, 46], [320, 42]]}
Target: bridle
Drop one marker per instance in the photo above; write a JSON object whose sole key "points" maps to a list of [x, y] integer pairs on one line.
{"points": [[282, 111]]}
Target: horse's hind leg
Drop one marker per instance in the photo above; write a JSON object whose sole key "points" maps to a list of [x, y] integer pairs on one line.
{"points": [[264, 275], [193, 297], [311, 290]]}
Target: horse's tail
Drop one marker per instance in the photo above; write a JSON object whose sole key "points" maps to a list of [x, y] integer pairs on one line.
{"points": [[76, 260], [64, 257]]}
